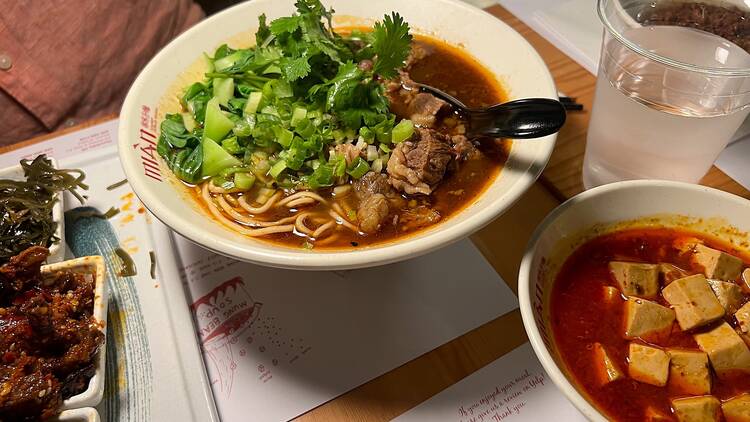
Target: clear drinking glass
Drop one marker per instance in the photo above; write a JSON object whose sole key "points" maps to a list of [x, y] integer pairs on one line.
{"points": [[668, 98]]}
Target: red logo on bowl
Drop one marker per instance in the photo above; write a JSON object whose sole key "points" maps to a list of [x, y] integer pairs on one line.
{"points": [[146, 145]]}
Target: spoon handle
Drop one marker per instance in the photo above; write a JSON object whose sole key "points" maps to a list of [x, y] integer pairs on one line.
{"points": [[520, 119]]}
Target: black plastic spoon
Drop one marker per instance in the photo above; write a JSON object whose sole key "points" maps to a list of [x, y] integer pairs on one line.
{"points": [[519, 119]]}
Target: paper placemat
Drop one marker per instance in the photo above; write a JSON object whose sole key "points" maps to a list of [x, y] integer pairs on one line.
{"points": [[278, 343], [514, 387]]}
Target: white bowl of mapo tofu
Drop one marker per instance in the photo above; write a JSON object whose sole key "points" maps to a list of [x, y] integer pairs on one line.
{"points": [[636, 299]]}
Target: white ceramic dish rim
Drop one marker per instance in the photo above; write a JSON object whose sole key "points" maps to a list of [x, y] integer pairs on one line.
{"points": [[56, 250], [93, 394], [330, 260], [524, 280]]}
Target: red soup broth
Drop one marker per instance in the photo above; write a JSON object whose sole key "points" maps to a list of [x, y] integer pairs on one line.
{"points": [[581, 317]]}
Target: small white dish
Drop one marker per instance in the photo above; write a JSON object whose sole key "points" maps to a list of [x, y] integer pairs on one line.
{"points": [[93, 265], [86, 414], [636, 203], [56, 249]]}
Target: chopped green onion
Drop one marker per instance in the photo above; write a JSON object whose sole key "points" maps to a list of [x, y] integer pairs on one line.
{"points": [[244, 127], [283, 136], [282, 88], [253, 101], [372, 152], [277, 168], [358, 168], [402, 131], [305, 128], [338, 135], [298, 114], [385, 148], [269, 109], [232, 146], [367, 134], [244, 181], [321, 176], [339, 163], [315, 114]]}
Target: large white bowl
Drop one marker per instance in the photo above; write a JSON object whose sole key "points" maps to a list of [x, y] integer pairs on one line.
{"points": [[496, 45], [637, 203]]}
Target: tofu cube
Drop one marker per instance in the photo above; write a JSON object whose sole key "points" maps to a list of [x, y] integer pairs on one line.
{"points": [[607, 367], [689, 372], [670, 273], [647, 320], [743, 318], [653, 414], [648, 364], [693, 301], [611, 294], [697, 409], [737, 409], [729, 294], [725, 349], [745, 337], [717, 264], [745, 283], [641, 280]]}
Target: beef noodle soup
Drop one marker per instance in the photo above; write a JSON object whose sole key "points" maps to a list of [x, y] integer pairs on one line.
{"points": [[324, 176]]}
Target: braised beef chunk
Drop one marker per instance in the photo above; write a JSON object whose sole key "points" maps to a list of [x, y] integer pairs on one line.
{"points": [[372, 212], [407, 102], [417, 53], [376, 198], [48, 337], [349, 151], [371, 183], [419, 164], [464, 148]]}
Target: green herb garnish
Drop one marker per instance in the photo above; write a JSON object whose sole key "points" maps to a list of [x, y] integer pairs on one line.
{"points": [[294, 96]]}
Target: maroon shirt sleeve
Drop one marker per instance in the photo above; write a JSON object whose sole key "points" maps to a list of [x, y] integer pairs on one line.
{"points": [[75, 60]]}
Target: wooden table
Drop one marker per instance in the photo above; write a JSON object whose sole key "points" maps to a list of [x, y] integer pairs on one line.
{"points": [[502, 243]]}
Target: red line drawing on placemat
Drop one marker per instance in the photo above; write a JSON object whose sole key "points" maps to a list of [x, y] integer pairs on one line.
{"points": [[222, 316]]}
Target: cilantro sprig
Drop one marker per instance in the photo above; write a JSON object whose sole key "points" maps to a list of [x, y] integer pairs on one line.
{"points": [[278, 109]]}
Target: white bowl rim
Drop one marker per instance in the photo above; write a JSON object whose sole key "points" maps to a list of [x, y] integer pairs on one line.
{"points": [[524, 279], [380, 254]]}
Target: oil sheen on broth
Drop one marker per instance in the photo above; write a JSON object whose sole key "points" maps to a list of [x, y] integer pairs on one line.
{"points": [[451, 69]]}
